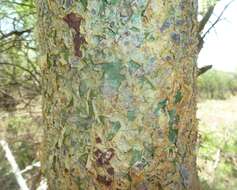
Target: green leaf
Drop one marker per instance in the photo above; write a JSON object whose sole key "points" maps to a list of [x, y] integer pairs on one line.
{"points": [[114, 130]]}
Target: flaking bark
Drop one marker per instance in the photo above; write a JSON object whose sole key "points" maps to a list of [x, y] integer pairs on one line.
{"points": [[119, 94]]}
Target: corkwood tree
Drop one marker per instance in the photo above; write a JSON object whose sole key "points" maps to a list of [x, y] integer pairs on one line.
{"points": [[119, 93]]}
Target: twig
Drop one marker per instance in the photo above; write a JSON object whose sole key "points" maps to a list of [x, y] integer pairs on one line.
{"points": [[15, 169], [30, 167], [22, 68], [218, 19], [205, 19], [15, 32]]}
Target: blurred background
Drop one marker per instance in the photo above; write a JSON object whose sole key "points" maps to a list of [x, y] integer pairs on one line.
{"points": [[20, 105]]}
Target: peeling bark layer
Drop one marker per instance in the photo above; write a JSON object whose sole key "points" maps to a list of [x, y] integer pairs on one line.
{"points": [[119, 99]]}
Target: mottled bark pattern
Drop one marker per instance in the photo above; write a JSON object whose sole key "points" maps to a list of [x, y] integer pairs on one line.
{"points": [[119, 99]]}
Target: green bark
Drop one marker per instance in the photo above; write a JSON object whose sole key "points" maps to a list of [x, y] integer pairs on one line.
{"points": [[119, 94]]}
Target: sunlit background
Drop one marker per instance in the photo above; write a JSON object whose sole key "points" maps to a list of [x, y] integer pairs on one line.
{"points": [[221, 42]]}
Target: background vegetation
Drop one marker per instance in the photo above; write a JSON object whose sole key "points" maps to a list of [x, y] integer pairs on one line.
{"points": [[217, 85], [20, 110], [217, 158]]}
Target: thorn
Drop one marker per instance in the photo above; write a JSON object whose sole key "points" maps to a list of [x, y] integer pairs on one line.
{"points": [[204, 69]]}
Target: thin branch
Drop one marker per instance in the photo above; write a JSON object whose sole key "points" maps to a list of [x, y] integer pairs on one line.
{"points": [[30, 167], [22, 68], [205, 19], [15, 32], [15, 168], [218, 19]]}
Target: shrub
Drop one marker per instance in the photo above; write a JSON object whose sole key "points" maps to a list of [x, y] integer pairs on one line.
{"points": [[217, 85]]}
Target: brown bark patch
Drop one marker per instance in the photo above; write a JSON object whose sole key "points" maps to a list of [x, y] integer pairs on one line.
{"points": [[103, 158], [104, 180], [98, 140], [110, 171], [74, 21]]}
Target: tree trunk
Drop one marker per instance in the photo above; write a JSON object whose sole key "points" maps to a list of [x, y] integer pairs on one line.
{"points": [[119, 94]]}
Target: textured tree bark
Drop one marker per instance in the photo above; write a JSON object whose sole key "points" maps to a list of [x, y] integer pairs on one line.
{"points": [[119, 94]]}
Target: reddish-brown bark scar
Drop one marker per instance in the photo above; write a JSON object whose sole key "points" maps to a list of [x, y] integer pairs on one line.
{"points": [[78, 40], [74, 21], [103, 158]]}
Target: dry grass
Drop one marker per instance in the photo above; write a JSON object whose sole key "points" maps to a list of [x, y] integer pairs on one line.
{"points": [[217, 158], [218, 112]]}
